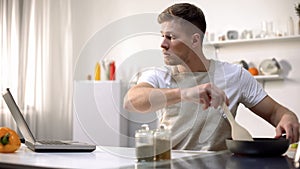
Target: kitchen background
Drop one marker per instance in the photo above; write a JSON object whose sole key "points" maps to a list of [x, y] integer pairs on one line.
{"points": [[127, 32]]}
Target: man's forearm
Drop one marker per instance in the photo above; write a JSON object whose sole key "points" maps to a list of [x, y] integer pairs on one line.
{"points": [[144, 98], [148, 99]]}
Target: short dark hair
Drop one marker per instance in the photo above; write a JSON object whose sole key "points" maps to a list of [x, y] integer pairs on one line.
{"points": [[186, 11]]}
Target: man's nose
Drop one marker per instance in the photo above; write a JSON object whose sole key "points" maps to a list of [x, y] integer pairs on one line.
{"points": [[165, 43]]}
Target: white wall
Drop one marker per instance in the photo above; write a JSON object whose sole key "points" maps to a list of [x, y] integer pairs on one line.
{"points": [[90, 17], [94, 19]]}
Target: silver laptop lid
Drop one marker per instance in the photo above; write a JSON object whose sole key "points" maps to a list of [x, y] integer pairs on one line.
{"points": [[17, 115]]}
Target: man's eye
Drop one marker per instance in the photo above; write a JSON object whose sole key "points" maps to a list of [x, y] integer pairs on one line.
{"points": [[169, 37]]}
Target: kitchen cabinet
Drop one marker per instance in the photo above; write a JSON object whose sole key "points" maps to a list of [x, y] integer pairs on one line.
{"points": [[98, 116]]}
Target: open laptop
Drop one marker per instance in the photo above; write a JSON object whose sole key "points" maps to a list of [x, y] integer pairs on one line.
{"points": [[42, 146]]}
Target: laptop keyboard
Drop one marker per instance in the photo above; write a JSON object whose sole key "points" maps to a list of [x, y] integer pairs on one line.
{"points": [[52, 142]]}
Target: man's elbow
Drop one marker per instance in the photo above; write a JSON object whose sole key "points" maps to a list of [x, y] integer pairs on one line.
{"points": [[127, 105], [132, 105]]}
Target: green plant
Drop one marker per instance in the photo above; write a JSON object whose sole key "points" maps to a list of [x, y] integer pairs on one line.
{"points": [[297, 8]]}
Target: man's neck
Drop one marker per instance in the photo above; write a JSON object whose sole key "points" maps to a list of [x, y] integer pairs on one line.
{"points": [[198, 64]]}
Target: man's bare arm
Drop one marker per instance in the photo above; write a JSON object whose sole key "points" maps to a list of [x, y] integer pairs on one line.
{"points": [[144, 98], [279, 116]]}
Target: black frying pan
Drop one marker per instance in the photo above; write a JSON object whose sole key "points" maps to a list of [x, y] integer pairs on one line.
{"points": [[259, 147]]}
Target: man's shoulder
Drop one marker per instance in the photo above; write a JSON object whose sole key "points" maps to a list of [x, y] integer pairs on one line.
{"points": [[161, 72], [227, 70], [157, 70], [156, 76], [225, 64]]}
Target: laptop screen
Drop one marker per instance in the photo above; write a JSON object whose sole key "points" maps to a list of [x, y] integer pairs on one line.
{"points": [[17, 115]]}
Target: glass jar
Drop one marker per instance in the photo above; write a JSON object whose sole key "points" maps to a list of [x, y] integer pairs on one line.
{"points": [[162, 142], [144, 144]]}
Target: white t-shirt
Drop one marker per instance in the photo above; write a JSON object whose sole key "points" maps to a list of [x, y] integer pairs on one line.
{"points": [[196, 129]]}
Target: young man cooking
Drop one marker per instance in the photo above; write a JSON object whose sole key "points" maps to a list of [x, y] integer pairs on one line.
{"points": [[189, 90]]}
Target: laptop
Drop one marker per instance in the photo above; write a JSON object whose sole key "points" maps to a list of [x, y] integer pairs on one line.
{"points": [[46, 145]]}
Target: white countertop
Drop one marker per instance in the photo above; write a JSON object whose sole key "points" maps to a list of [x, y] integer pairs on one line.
{"points": [[102, 157], [124, 158]]}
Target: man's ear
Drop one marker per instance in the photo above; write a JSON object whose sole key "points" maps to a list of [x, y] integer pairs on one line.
{"points": [[196, 39]]}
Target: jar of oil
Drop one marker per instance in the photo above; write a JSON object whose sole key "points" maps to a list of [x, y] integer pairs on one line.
{"points": [[144, 144], [162, 143]]}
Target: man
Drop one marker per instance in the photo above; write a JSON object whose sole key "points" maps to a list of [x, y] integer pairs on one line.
{"points": [[189, 90]]}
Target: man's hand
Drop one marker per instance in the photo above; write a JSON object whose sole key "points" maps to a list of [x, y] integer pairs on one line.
{"points": [[290, 126], [285, 121], [205, 94]]}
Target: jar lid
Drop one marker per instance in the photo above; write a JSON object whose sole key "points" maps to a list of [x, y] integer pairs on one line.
{"points": [[145, 127], [144, 131]]}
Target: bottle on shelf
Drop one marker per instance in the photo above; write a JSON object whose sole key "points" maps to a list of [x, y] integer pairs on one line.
{"points": [[290, 27], [112, 69], [97, 75]]}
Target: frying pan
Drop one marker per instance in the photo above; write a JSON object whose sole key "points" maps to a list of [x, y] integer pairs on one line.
{"points": [[259, 147]]}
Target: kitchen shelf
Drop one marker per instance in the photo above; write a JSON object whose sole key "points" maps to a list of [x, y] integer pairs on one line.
{"points": [[219, 44], [268, 77], [262, 78], [97, 81]]}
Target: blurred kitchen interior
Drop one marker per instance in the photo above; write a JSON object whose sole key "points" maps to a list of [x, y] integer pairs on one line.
{"points": [[127, 32]]}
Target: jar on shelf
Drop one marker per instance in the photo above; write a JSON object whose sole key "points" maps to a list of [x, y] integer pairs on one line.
{"points": [[144, 144], [162, 143]]}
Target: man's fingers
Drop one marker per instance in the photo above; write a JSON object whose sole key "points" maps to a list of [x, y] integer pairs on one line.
{"points": [[218, 97], [295, 133], [205, 101], [291, 132], [278, 131]]}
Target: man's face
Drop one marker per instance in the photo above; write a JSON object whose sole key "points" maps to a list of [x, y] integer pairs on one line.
{"points": [[175, 44]]}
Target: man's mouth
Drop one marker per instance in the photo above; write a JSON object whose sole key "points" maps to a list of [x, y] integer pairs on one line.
{"points": [[166, 54]]}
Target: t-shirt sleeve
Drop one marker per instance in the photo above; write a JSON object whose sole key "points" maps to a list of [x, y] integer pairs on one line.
{"points": [[156, 77], [148, 76], [252, 91]]}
